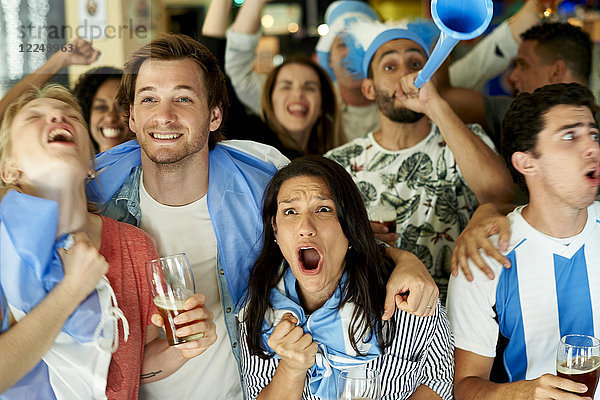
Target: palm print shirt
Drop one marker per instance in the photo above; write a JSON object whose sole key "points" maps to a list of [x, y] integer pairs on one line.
{"points": [[423, 183]]}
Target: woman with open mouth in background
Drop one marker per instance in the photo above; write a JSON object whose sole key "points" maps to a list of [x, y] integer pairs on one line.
{"points": [[296, 99], [316, 295]]}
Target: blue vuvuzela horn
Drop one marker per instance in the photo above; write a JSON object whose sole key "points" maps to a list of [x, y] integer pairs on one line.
{"points": [[457, 20]]}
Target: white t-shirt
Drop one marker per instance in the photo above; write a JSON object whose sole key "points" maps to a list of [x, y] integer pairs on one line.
{"points": [[188, 229], [550, 290]]}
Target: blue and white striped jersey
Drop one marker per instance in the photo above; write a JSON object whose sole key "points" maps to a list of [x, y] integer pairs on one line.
{"points": [[552, 289]]}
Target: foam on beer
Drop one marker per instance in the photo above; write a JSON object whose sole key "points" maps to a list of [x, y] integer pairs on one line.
{"points": [[382, 214], [169, 304], [586, 366]]}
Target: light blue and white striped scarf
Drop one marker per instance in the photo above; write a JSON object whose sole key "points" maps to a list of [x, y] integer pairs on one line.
{"points": [[30, 268], [328, 327]]}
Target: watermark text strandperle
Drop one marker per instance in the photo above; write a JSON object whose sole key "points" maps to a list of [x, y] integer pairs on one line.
{"points": [[91, 32]]}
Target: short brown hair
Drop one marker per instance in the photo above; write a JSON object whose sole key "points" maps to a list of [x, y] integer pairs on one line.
{"points": [[56, 92], [525, 118], [327, 132], [563, 41], [177, 47]]}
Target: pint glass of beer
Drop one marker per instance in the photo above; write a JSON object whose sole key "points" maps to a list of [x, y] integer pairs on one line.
{"points": [[171, 283], [578, 359], [384, 214]]}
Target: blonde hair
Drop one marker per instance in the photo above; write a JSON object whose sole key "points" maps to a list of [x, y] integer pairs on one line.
{"points": [[53, 91]]}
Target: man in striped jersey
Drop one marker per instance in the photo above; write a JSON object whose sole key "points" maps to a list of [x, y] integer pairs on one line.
{"points": [[553, 285]]}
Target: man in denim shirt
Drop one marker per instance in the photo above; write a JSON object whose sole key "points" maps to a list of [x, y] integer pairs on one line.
{"points": [[175, 97]]}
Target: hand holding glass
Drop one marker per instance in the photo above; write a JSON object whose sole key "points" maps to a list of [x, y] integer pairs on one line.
{"points": [[578, 359], [359, 384], [172, 283], [384, 214]]}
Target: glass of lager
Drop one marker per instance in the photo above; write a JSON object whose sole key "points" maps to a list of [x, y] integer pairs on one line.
{"points": [[172, 283], [578, 359], [384, 214], [359, 384]]}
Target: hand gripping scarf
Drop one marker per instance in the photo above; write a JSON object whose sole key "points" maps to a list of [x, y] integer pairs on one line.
{"points": [[328, 327]]}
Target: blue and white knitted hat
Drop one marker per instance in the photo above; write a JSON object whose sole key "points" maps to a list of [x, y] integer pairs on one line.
{"points": [[338, 16], [365, 38]]}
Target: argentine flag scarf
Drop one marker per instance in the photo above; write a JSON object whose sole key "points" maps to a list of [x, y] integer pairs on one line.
{"points": [[76, 366], [328, 327]]}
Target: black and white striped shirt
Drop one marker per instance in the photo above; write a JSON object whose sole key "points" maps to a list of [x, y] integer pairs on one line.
{"points": [[421, 354]]}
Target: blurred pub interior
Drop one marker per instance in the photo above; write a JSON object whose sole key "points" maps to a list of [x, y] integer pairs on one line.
{"points": [[289, 26]]}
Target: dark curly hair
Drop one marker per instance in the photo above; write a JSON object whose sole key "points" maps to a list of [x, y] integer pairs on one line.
{"points": [[524, 120], [86, 87], [562, 41]]}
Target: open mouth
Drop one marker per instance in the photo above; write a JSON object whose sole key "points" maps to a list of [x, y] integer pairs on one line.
{"points": [[165, 136], [310, 259], [111, 133], [593, 175], [298, 109], [60, 135]]}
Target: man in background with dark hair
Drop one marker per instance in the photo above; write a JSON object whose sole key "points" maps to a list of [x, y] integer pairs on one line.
{"points": [[554, 251], [550, 53]]}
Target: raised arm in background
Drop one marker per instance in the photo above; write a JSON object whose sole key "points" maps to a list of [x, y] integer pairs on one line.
{"points": [[215, 21], [494, 53], [242, 40], [483, 170], [83, 53]]}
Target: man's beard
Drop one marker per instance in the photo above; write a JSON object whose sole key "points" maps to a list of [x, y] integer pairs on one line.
{"points": [[402, 115], [170, 157]]}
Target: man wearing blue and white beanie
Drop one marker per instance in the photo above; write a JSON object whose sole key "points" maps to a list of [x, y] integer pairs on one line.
{"points": [[359, 114], [423, 161]]}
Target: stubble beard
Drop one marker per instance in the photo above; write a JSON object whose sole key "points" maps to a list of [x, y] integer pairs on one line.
{"points": [[402, 115], [175, 157], [576, 198]]}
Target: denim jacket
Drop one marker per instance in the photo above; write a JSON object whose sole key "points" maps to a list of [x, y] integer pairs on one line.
{"points": [[236, 185]]}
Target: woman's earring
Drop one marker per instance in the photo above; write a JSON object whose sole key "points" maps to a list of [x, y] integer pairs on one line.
{"points": [[349, 247], [91, 175], [275, 240]]}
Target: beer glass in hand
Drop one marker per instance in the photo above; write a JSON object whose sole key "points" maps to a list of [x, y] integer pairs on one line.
{"points": [[384, 214], [172, 283], [359, 384], [578, 359]]}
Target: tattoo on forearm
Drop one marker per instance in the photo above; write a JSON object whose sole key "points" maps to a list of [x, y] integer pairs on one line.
{"points": [[150, 374]]}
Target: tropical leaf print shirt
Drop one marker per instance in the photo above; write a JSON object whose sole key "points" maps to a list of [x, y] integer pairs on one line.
{"points": [[423, 183]]}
